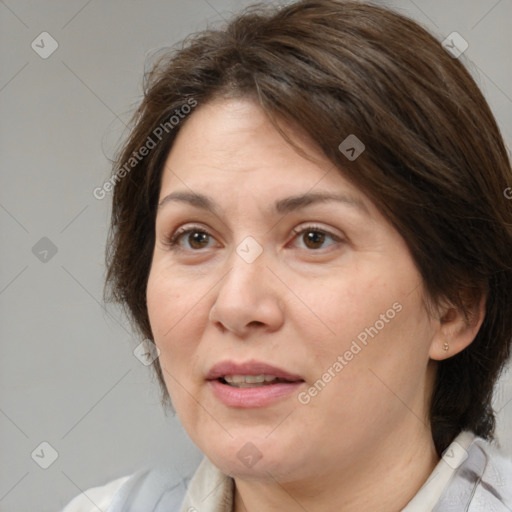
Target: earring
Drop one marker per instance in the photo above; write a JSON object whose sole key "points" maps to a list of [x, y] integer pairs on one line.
{"points": [[446, 346]]}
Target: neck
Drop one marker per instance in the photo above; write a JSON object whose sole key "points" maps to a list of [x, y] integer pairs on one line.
{"points": [[385, 478]]}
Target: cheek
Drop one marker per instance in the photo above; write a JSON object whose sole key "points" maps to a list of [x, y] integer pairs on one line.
{"points": [[167, 306], [371, 313], [173, 317], [373, 380], [351, 304], [386, 358]]}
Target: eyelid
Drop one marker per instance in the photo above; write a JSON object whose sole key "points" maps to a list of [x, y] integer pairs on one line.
{"points": [[316, 227]]}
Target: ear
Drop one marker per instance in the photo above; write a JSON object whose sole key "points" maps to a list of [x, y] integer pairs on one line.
{"points": [[456, 331]]}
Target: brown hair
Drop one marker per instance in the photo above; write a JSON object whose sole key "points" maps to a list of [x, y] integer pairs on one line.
{"points": [[435, 163]]}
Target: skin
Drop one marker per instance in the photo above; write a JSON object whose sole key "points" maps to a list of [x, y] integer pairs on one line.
{"points": [[362, 443]]}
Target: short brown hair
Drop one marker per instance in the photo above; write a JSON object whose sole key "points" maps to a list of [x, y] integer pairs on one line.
{"points": [[435, 163]]}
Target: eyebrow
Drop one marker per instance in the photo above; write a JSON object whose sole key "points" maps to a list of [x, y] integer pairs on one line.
{"points": [[282, 206]]}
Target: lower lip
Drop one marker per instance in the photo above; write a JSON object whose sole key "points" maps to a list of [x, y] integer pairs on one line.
{"points": [[252, 397]]}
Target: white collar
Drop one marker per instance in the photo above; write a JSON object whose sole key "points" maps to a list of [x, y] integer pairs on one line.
{"points": [[210, 490], [428, 495]]}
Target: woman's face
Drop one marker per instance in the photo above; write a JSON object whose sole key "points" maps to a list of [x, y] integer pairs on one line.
{"points": [[263, 272]]}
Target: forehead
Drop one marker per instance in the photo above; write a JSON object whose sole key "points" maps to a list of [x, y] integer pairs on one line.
{"points": [[224, 133], [231, 145]]}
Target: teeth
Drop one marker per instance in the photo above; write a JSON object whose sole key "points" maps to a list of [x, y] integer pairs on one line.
{"points": [[248, 379]]}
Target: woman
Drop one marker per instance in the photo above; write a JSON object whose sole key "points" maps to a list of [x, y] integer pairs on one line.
{"points": [[309, 225]]}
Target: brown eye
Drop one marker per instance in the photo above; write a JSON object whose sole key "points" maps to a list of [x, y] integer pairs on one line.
{"points": [[189, 239], [197, 239], [314, 238]]}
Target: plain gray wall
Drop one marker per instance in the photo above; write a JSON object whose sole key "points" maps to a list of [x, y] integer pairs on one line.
{"points": [[68, 376]]}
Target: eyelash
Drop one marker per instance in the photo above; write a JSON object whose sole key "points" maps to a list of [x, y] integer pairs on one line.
{"points": [[172, 241]]}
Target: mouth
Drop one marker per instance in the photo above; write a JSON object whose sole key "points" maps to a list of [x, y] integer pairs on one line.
{"points": [[250, 374], [253, 381], [251, 384]]}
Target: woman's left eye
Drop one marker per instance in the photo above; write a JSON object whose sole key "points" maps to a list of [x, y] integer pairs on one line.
{"points": [[314, 237]]}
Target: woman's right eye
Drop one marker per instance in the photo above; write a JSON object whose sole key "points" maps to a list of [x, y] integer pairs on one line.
{"points": [[195, 237]]}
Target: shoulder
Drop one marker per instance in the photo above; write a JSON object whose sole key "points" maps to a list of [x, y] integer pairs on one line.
{"points": [[148, 490], [96, 497], [483, 482], [498, 469]]}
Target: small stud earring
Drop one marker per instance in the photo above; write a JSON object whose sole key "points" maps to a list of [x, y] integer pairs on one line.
{"points": [[446, 346]]}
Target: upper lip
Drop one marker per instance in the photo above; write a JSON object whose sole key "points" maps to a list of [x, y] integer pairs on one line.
{"points": [[224, 368]]}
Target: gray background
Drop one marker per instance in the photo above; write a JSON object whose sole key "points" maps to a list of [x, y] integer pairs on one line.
{"points": [[67, 372]]}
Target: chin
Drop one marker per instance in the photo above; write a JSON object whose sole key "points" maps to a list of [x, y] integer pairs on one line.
{"points": [[261, 460]]}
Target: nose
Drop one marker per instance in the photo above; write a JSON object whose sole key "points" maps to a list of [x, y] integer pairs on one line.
{"points": [[248, 298]]}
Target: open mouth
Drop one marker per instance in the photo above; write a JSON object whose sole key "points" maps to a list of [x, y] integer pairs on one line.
{"points": [[253, 381], [252, 384]]}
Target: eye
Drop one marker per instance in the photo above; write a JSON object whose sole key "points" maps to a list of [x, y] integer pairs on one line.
{"points": [[314, 237], [196, 237]]}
